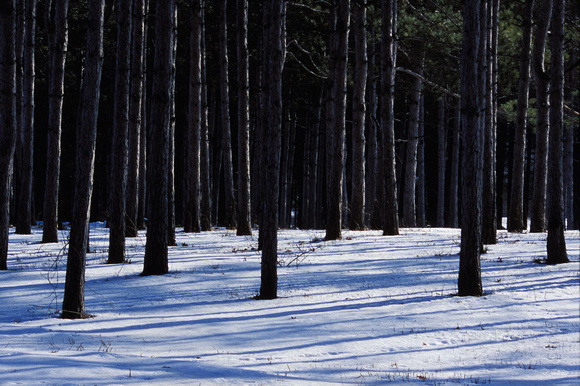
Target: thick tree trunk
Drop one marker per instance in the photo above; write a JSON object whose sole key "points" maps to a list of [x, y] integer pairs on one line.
{"points": [[542, 79], [7, 119], [135, 121], [156, 262], [390, 213], [191, 191], [357, 218], [338, 129], [556, 244], [420, 201], [244, 207], [17, 162], [469, 282], [371, 137], [24, 219], [74, 300], [274, 46], [489, 194], [57, 27], [121, 126], [516, 221], [411, 159], [441, 163], [141, 209], [228, 171], [204, 163]]}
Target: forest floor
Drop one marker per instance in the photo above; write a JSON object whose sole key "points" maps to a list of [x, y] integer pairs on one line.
{"points": [[367, 309]]}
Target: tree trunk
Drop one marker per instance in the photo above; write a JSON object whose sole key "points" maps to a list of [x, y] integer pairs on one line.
{"points": [[569, 153], [25, 207], [17, 162], [469, 281], [120, 130], [171, 165], [135, 121], [244, 207], [338, 130], [371, 137], [7, 119], [390, 213], [542, 79], [489, 220], [357, 217], [228, 172], [274, 47], [73, 306], [420, 201], [556, 244], [142, 206], [191, 191], [204, 163], [57, 28], [516, 221], [441, 163], [454, 184], [156, 262]]}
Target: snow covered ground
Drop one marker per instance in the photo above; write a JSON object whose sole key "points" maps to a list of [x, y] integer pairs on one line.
{"points": [[367, 309]]}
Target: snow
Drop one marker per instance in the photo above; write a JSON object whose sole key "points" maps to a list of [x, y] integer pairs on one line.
{"points": [[367, 309]]}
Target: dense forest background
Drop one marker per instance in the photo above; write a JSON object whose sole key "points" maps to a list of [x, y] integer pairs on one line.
{"points": [[429, 43]]}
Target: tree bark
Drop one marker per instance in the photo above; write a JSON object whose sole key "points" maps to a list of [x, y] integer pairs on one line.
{"points": [[171, 241], [27, 157], [371, 137], [191, 192], [204, 163], [411, 160], [121, 126], [454, 184], [357, 217], [569, 153], [7, 119], [421, 165], [74, 300], [338, 130], [274, 47], [469, 281], [441, 163], [556, 243], [489, 194], [156, 262], [230, 201], [135, 117], [516, 221], [542, 79], [388, 64], [244, 207], [57, 28]]}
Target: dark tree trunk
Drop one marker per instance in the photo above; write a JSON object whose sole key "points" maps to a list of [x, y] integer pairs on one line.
{"points": [[24, 219], [542, 79], [204, 163], [359, 114], [390, 213], [228, 171], [135, 120], [338, 130], [489, 193], [454, 183], [411, 159], [516, 221], [421, 165], [191, 191], [244, 207], [171, 164], [121, 126], [17, 161], [57, 28], [569, 182], [7, 119], [142, 206], [371, 137], [73, 306], [156, 262], [556, 244], [274, 47], [441, 163], [469, 282]]}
